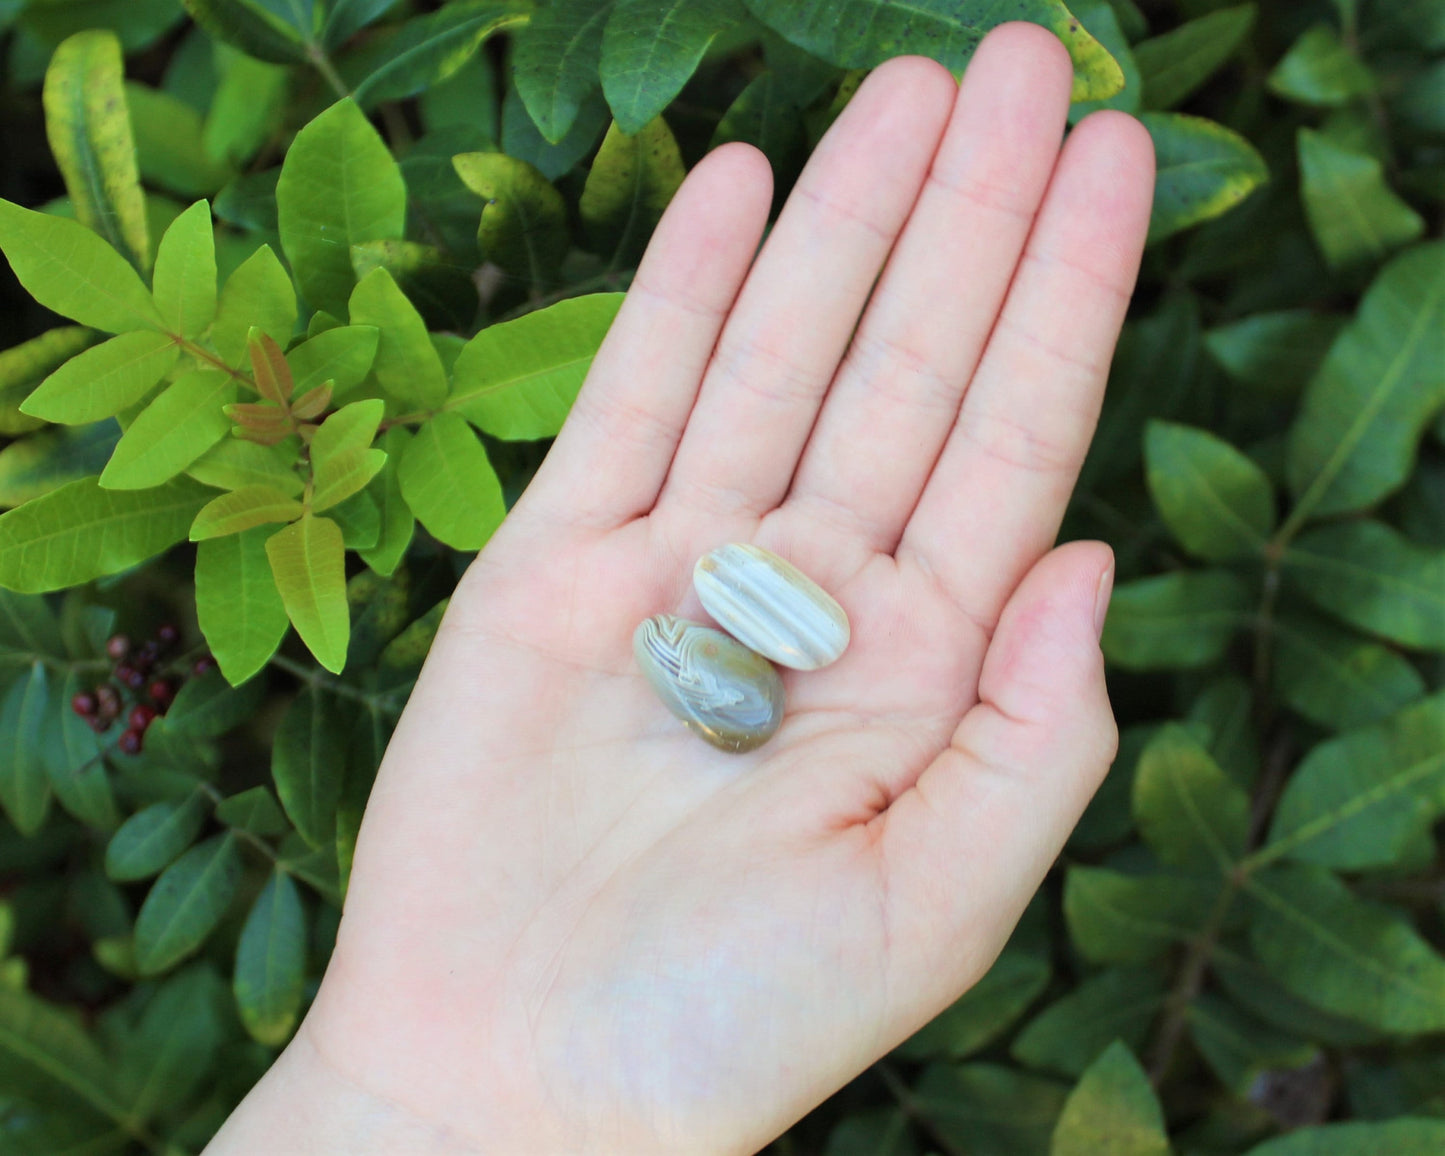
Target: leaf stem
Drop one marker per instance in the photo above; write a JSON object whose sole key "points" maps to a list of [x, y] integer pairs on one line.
{"points": [[315, 677], [323, 65], [903, 1094]]}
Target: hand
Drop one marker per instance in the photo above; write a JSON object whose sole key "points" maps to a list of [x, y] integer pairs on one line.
{"points": [[574, 927]]}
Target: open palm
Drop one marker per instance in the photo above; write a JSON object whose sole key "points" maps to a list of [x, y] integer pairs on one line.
{"points": [[572, 925]]}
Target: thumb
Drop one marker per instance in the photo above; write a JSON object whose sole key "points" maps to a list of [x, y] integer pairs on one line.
{"points": [[969, 843]]}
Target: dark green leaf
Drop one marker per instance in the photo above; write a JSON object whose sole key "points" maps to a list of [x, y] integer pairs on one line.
{"points": [[430, 48], [864, 33], [207, 706], [1337, 679], [23, 366], [1188, 810], [1204, 170], [1112, 1112], [24, 788], [72, 756], [186, 903], [48, 1058], [89, 131], [630, 183], [339, 186], [1117, 918], [28, 629], [1391, 1138], [1368, 575], [440, 287], [651, 48], [1343, 954], [271, 962], [1318, 69], [45, 461], [1279, 352], [1175, 621], [1015, 980], [1218, 503], [252, 27], [556, 61], [169, 144], [521, 139], [175, 1047], [308, 762], [1067, 1036], [874, 1132], [523, 228], [1353, 213], [1239, 1048], [517, 380], [253, 810], [1354, 441], [150, 840], [988, 1109], [1177, 63], [345, 18]]}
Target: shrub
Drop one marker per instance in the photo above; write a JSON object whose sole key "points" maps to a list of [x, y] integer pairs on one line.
{"points": [[321, 268]]}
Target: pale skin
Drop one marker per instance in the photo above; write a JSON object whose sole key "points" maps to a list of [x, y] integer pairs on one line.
{"points": [[572, 926]]}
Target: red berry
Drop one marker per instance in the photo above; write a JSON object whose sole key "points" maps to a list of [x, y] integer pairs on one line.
{"points": [[130, 676], [98, 724], [202, 665], [130, 741], [84, 704], [167, 635], [140, 717], [162, 693], [108, 701], [118, 646]]}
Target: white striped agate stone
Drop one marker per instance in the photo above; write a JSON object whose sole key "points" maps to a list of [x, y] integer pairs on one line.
{"points": [[771, 606], [719, 688]]}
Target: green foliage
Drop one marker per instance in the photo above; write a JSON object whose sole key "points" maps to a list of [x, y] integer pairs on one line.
{"points": [[303, 400]]}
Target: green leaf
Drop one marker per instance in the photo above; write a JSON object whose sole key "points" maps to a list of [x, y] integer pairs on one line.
{"points": [[1354, 440], [185, 274], [1343, 954], [396, 521], [177, 1043], [351, 427], [69, 269], [1218, 503], [72, 756], [1367, 574], [258, 294], [1222, 717], [88, 126], [186, 903], [517, 380], [1255, 990], [345, 18], [872, 1132], [339, 186], [988, 1108], [235, 463], [864, 33], [342, 356], [629, 185], [1337, 679], [170, 150], [252, 27], [428, 49], [1176, 64], [402, 659], [151, 839], [271, 962], [247, 110], [406, 362], [104, 379], [1015, 980], [556, 60], [172, 431], [650, 49], [1112, 1112], [49, 459], [23, 366], [206, 706], [523, 229], [253, 810], [449, 484], [1353, 213], [28, 629], [308, 562], [244, 509], [1279, 352], [1403, 1137], [521, 139], [1239, 1048], [24, 788], [437, 282], [81, 531], [1175, 621], [47, 1057], [1188, 810], [1363, 799], [1102, 21], [1204, 170], [1068, 1035], [308, 762], [1319, 70], [1117, 918]]}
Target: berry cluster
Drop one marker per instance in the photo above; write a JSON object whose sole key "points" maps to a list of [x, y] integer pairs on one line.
{"points": [[136, 682]]}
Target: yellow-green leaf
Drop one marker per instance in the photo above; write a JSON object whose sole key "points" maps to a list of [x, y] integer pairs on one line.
{"points": [[350, 427], [233, 463], [184, 284], [88, 125], [406, 363], [524, 221], [242, 509], [104, 379], [1112, 1112], [630, 183], [450, 485], [259, 294], [344, 474], [1354, 214], [237, 604], [1204, 170], [173, 431], [308, 561]]}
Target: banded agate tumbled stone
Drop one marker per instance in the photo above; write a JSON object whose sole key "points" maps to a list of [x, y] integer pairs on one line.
{"points": [[722, 690], [771, 606]]}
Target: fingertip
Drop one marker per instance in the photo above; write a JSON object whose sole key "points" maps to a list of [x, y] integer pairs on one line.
{"points": [[1030, 46]]}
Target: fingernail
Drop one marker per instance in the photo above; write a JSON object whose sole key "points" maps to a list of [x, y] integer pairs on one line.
{"points": [[1101, 599]]}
